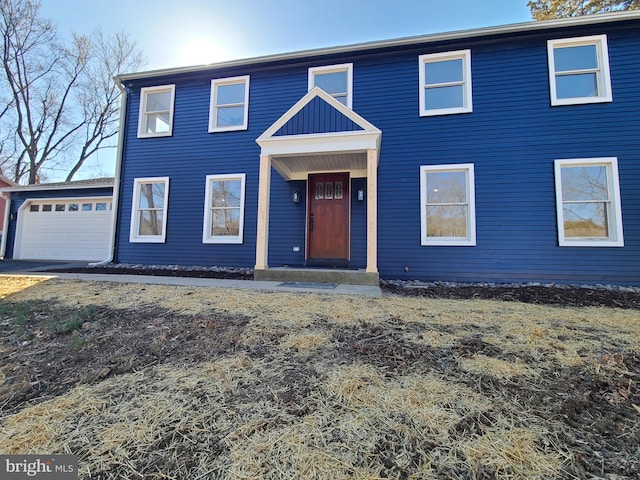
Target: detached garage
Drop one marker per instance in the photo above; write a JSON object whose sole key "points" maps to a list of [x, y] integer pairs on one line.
{"points": [[60, 221]]}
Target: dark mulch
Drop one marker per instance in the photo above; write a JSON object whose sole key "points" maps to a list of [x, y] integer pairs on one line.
{"points": [[544, 295]]}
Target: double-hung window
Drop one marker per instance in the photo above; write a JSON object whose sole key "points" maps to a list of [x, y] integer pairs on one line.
{"points": [[445, 83], [447, 205], [579, 70], [588, 202], [156, 111], [229, 107], [149, 210], [224, 209], [336, 80]]}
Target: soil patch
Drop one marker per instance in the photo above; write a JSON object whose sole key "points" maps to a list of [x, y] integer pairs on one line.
{"points": [[282, 385]]}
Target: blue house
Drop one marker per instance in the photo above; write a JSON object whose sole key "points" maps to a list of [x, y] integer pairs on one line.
{"points": [[503, 154]]}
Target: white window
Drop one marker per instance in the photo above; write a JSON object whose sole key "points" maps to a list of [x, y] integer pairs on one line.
{"points": [[156, 111], [579, 70], [588, 202], [336, 80], [447, 205], [149, 210], [445, 83], [224, 209], [229, 106]]}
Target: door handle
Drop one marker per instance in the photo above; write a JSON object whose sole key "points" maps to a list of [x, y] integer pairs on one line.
{"points": [[311, 223]]}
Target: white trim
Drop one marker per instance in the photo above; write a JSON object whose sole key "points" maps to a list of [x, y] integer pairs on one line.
{"points": [[3, 240], [343, 67], [515, 28], [603, 75], [134, 237], [142, 116], [467, 90], [470, 239], [614, 213], [213, 105], [206, 224]]}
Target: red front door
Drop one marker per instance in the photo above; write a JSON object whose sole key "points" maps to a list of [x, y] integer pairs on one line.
{"points": [[328, 220]]}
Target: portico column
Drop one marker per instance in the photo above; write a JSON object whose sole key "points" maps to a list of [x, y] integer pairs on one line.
{"points": [[372, 211], [264, 189]]}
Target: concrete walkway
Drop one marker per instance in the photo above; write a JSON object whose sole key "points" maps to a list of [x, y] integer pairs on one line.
{"points": [[326, 288]]}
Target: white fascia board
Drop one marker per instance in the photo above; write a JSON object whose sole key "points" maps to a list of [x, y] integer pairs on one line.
{"points": [[320, 143], [514, 28], [37, 187]]}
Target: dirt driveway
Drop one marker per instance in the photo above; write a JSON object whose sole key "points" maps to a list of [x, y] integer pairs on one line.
{"points": [[178, 382]]}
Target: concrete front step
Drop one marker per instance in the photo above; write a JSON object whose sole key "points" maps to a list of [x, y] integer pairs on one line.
{"points": [[318, 275]]}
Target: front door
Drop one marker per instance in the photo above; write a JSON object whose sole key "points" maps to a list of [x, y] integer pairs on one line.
{"points": [[328, 220]]}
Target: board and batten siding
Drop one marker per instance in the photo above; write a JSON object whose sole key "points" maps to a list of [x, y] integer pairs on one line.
{"points": [[512, 137]]}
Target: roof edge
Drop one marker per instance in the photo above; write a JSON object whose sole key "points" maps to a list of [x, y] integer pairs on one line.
{"points": [[102, 183], [531, 26]]}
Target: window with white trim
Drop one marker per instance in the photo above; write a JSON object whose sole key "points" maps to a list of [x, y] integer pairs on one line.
{"points": [[447, 205], [336, 80], [156, 111], [588, 202], [229, 105], [445, 83], [224, 209], [149, 210], [579, 70]]}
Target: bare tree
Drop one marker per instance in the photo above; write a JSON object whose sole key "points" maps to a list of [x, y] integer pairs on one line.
{"points": [[550, 9], [63, 104]]}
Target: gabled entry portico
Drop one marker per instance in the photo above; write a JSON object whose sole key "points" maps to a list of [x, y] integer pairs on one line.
{"points": [[323, 142]]}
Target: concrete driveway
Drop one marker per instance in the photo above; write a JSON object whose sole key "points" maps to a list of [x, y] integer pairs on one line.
{"points": [[23, 266]]}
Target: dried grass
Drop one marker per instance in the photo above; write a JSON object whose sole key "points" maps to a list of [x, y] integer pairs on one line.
{"points": [[306, 406]]}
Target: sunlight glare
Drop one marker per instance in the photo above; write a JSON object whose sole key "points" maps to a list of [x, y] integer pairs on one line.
{"points": [[202, 51]]}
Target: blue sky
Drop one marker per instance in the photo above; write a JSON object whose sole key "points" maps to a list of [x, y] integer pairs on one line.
{"points": [[192, 32]]}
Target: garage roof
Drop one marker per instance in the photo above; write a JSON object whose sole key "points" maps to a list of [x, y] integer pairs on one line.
{"points": [[92, 183]]}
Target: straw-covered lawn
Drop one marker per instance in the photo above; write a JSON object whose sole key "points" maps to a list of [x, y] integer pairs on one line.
{"points": [[156, 382]]}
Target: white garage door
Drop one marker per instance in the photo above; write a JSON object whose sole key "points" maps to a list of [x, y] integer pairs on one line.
{"points": [[72, 229]]}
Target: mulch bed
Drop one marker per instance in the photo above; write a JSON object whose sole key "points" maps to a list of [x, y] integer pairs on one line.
{"points": [[543, 295]]}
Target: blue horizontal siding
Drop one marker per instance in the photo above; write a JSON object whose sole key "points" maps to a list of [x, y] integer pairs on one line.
{"points": [[512, 137]]}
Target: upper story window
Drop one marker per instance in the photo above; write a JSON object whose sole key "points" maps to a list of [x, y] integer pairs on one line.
{"points": [[447, 205], [229, 107], [336, 80], [148, 210], [579, 70], [588, 202], [224, 209], [156, 111], [445, 83]]}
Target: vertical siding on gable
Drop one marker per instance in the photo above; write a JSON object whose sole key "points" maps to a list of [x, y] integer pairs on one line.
{"points": [[317, 117]]}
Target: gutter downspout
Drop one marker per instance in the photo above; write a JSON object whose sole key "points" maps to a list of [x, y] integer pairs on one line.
{"points": [[116, 179], [3, 244]]}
